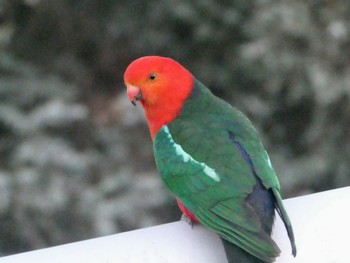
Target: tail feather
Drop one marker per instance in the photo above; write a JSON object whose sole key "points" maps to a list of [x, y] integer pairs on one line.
{"points": [[235, 254], [284, 216]]}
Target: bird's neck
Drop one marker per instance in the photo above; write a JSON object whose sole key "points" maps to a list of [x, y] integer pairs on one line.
{"points": [[166, 109], [159, 116]]}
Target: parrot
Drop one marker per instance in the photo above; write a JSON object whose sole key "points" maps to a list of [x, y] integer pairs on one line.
{"points": [[210, 157]]}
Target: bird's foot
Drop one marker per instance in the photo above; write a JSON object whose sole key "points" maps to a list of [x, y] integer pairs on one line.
{"points": [[187, 219]]}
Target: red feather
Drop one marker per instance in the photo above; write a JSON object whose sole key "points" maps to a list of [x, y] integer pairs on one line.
{"points": [[186, 211]]}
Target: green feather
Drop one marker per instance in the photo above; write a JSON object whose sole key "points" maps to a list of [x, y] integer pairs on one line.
{"points": [[208, 173]]}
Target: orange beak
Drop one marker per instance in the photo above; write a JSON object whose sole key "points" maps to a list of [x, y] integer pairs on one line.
{"points": [[134, 93]]}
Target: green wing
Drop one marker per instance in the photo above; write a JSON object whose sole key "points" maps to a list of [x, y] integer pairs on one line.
{"points": [[203, 168]]}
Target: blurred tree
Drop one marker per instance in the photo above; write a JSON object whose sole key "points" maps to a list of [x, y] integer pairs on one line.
{"points": [[76, 160]]}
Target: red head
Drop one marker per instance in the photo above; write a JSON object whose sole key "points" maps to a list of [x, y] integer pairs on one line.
{"points": [[161, 85]]}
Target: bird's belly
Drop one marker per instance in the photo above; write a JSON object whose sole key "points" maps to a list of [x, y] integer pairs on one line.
{"points": [[187, 212]]}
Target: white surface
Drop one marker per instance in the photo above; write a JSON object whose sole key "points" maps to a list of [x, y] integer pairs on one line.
{"points": [[320, 221]]}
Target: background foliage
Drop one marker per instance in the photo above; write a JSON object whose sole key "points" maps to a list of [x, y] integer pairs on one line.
{"points": [[76, 159]]}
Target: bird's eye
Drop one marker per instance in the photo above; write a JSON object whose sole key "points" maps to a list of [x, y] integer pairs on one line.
{"points": [[152, 76]]}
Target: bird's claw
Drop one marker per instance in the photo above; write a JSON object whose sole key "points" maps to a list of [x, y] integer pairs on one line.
{"points": [[186, 219]]}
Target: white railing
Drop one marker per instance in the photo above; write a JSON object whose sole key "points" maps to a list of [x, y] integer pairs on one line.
{"points": [[321, 224]]}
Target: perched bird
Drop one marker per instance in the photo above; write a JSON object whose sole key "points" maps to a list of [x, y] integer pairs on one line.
{"points": [[210, 157]]}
